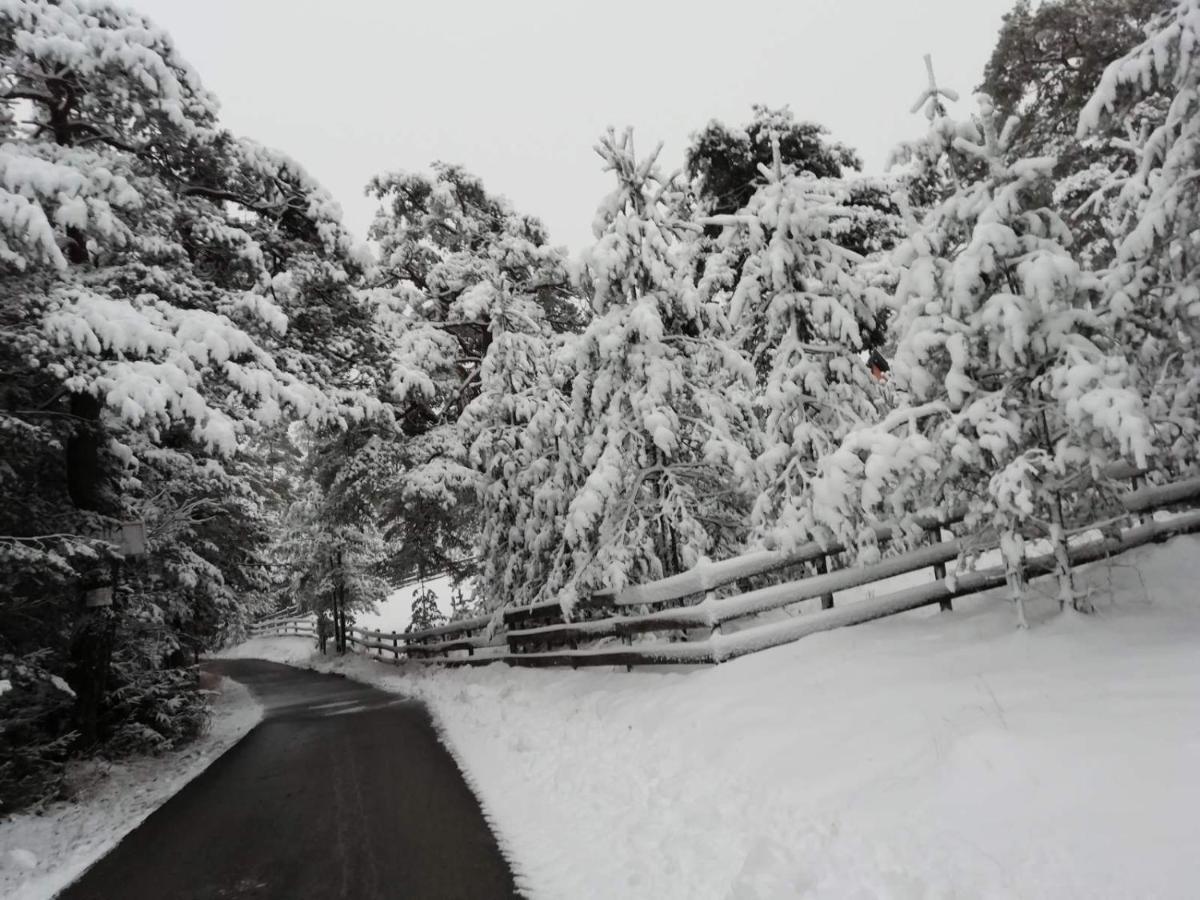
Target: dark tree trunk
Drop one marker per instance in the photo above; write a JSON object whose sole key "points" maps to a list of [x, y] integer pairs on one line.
{"points": [[91, 655], [77, 252], [341, 605], [95, 629], [84, 476]]}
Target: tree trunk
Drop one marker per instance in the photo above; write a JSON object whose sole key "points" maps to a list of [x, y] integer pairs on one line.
{"points": [[337, 624], [95, 630], [84, 476], [667, 542], [1062, 561], [1058, 538], [91, 657], [339, 592], [1012, 547]]}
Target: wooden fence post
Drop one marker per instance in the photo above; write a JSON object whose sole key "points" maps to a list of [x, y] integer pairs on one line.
{"points": [[709, 597], [822, 567], [939, 573], [715, 631], [1135, 482]]}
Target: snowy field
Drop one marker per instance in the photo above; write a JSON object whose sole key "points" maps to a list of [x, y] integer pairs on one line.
{"points": [[394, 613], [41, 854], [924, 756]]}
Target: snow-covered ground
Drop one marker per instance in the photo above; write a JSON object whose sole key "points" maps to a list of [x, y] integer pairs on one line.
{"points": [[42, 853], [924, 756]]}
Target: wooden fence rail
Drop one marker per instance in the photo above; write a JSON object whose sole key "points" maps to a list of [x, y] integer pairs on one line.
{"points": [[299, 625], [682, 620]]}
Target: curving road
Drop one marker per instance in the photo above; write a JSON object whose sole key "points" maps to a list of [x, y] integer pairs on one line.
{"points": [[342, 791]]}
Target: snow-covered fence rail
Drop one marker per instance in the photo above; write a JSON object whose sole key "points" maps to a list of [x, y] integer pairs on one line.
{"points": [[708, 577], [695, 634], [466, 635], [543, 624], [287, 624], [548, 642], [681, 620], [719, 647], [712, 613]]}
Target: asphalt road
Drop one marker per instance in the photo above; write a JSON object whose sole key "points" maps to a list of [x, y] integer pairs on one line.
{"points": [[342, 791]]}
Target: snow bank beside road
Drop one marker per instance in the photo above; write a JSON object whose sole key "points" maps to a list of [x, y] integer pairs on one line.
{"points": [[297, 651], [922, 756], [42, 854]]}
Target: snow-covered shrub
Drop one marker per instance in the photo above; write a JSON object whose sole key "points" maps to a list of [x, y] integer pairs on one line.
{"points": [[35, 729], [153, 707]]}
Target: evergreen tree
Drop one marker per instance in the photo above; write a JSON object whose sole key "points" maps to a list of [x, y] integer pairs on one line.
{"points": [[447, 246], [1017, 394], [660, 398], [1151, 289], [1044, 68], [1048, 60], [726, 163], [425, 611], [933, 167], [152, 266], [517, 392], [726, 167], [333, 566], [806, 311], [462, 605]]}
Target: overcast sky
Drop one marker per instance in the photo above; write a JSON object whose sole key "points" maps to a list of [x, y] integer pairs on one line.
{"points": [[518, 90]]}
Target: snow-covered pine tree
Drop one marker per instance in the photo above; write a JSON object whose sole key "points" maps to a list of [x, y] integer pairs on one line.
{"points": [[447, 246], [725, 164], [1044, 68], [660, 396], [333, 566], [425, 611], [805, 309], [1016, 394], [150, 271], [931, 168], [462, 605], [1152, 288], [501, 427]]}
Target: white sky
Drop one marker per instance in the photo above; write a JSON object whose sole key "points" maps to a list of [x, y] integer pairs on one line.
{"points": [[518, 90]]}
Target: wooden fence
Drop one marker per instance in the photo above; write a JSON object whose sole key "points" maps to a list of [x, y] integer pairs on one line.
{"points": [[286, 623], [683, 620]]}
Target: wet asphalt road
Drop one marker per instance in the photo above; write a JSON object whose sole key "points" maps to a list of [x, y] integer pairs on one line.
{"points": [[342, 791]]}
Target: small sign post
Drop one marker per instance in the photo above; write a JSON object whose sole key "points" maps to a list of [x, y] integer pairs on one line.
{"points": [[129, 537], [101, 596], [130, 540]]}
